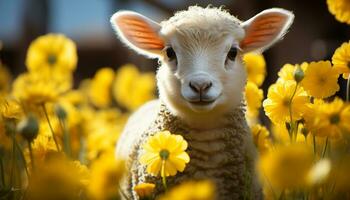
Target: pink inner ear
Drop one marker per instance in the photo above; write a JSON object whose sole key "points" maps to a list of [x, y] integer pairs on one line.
{"points": [[263, 30], [139, 33]]}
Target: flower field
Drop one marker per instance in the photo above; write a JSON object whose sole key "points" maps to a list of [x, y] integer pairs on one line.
{"points": [[58, 141]]}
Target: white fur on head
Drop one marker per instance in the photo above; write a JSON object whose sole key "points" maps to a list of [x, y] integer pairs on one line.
{"points": [[200, 40], [265, 28], [138, 32]]}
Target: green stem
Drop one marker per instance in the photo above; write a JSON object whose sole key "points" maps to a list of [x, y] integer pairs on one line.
{"points": [[164, 183], [291, 130], [272, 190], [22, 157], [164, 176], [31, 155], [281, 195], [2, 172], [325, 148], [48, 121], [13, 160], [66, 138], [296, 131], [348, 89]]}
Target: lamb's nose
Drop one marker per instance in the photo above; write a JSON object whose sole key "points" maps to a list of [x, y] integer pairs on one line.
{"points": [[200, 86]]}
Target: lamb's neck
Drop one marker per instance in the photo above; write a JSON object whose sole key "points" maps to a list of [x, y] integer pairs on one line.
{"points": [[208, 122], [206, 125]]}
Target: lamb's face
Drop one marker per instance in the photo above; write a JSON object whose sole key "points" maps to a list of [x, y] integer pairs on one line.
{"points": [[202, 73], [201, 53]]}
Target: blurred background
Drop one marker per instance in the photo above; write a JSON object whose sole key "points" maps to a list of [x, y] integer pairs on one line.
{"points": [[314, 35]]}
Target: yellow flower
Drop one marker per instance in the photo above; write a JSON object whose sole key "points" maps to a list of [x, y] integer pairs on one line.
{"points": [[341, 59], [330, 119], [57, 178], [286, 167], [278, 102], [340, 9], [253, 96], [256, 67], [5, 79], [106, 173], [261, 137], [43, 146], [190, 190], [311, 115], [100, 87], [321, 79], [40, 88], [10, 109], [144, 190], [52, 52], [286, 73], [131, 88], [165, 151]]}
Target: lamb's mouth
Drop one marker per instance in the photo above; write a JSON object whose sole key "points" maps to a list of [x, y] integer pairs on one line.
{"points": [[202, 102], [202, 106]]}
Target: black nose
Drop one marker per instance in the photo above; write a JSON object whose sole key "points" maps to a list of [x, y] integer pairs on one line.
{"points": [[200, 86]]}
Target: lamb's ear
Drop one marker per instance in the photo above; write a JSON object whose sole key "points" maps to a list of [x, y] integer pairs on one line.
{"points": [[264, 29], [138, 32]]}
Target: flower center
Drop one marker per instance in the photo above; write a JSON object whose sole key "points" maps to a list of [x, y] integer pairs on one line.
{"points": [[164, 154], [348, 65], [334, 119], [286, 102], [322, 80], [51, 59]]}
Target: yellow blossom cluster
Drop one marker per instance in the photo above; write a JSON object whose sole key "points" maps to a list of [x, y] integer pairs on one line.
{"points": [[128, 87], [304, 155], [256, 71], [57, 142], [310, 130]]}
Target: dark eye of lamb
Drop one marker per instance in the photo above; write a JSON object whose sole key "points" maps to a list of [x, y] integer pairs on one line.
{"points": [[170, 53], [232, 53]]}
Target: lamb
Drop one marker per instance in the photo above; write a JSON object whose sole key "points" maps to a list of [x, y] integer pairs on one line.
{"points": [[200, 81]]}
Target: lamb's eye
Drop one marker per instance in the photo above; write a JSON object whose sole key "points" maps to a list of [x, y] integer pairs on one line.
{"points": [[232, 53], [170, 53]]}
